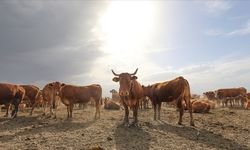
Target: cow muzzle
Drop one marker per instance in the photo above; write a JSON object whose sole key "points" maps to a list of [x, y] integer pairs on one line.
{"points": [[124, 94]]}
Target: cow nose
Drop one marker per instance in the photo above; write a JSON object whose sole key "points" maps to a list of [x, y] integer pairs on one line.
{"points": [[124, 93]]}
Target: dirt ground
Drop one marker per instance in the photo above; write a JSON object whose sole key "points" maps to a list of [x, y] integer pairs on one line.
{"points": [[223, 128]]}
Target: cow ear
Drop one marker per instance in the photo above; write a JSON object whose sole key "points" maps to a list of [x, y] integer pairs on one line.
{"points": [[115, 79], [133, 77]]}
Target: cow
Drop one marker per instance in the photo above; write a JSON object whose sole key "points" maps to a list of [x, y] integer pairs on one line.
{"points": [[130, 92], [33, 94], [50, 97], [110, 104], [174, 90], [71, 94], [144, 102], [11, 94], [210, 95], [200, 106], [247, 105], [227, 95], [115, 95]]}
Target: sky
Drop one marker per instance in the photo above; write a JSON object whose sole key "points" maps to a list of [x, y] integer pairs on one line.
{"points": [[79, 42]]}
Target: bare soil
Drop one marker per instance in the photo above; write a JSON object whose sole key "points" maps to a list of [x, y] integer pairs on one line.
{"points": [[222, 128]]}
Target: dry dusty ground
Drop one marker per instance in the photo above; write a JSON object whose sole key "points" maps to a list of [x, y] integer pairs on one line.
{"points": [[223, 128]]}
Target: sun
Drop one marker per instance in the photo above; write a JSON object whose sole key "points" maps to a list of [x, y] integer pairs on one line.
{"points": [[127, 27]]}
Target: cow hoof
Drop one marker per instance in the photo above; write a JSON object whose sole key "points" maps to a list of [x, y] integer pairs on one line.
{"points": [[134, 124], [125, 124], [179, 123]]}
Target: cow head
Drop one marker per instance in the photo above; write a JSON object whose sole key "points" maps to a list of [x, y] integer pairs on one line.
{"points": [[125, 81], [113, 91], [55, 87]]}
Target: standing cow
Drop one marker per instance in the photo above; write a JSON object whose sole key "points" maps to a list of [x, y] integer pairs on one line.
{"points": [[11, 94], [33, 94], [50, 97], [130, 92], [229, 94], [71, 94], [174, 90]]}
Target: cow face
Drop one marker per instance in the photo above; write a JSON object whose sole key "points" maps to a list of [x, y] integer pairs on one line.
{"points": [[55, 87], [125, 81]]}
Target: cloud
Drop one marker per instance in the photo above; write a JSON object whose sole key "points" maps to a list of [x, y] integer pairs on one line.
{"points": [[240, 32], [47, 41], [244, 30], [216, 7], [224, 73]]}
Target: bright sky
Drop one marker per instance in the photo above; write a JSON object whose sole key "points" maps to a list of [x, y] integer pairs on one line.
{"points": [[207, 42]]}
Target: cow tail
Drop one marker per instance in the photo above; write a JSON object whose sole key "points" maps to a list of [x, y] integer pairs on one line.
{"points": [[187, 95], [54, 102]]}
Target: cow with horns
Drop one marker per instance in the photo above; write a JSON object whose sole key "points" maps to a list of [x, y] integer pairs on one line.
{"points": [[130, 92]]}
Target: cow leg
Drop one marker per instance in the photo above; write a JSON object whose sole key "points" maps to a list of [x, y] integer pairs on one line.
{"points": [[126, 121], [189, 106], [154, 105], [159, 111], [181, 110], [97, 109], [7, 110], [135, 114], [15, 110], [68, 109], [71, 110], [32, 109]]}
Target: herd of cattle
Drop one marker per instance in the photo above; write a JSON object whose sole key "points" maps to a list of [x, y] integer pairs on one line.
{"points": [[131, 95]]}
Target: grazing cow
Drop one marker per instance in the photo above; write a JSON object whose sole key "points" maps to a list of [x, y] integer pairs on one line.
{"points": [[71, 94], [200, 106], [32, 93], [210, 95], [130, 92], [174, 90], [226, 95], [50, 96], [110, 104], [11, 94]]}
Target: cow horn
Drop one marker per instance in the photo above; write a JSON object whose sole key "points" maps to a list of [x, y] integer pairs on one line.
{"points": [[132, 74], [114, 73]]}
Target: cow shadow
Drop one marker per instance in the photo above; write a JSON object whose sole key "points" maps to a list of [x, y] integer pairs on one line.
{"points": [[131, 138], [28, 129], [203, 136]]}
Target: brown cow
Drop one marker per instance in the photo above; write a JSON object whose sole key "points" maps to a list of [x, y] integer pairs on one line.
{"points": [[32, 93], [11, 94], [226, 95], [71, 94], [110, 104], [248, 96], [177, 89], [50, 96], [130, 92], [200, 106], [247, 105], [210, 95]]}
